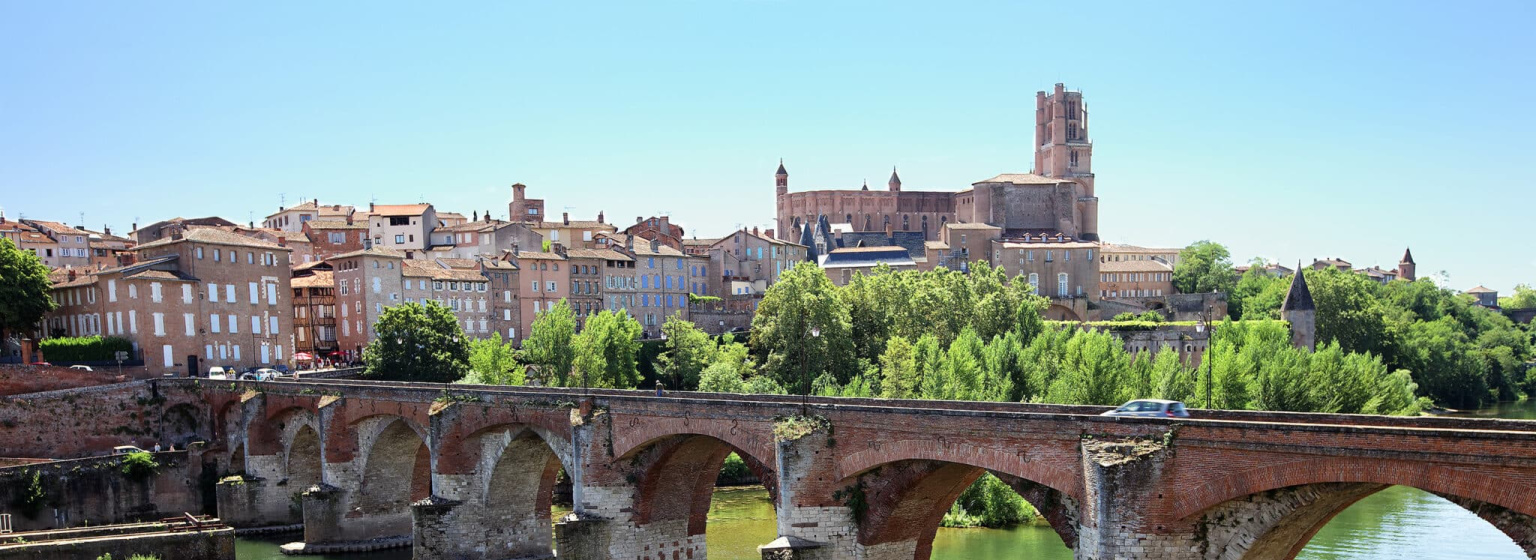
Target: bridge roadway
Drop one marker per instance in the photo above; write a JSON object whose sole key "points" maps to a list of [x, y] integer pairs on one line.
{"points": [[468, 471]]}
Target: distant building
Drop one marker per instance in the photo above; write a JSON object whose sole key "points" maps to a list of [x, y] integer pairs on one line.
{"points": [[841, 264], [402, 227], [1485, 297], [166, 228], [294, 217], [660, 229], [73, 248], [328, 238], [1133, 279], [1298, 309]]}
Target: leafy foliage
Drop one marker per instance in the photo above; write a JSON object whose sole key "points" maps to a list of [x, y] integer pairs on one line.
{"points": [[549, 347], [687, 351], [802, 330], [1204, 267], [24, 288], [606, 352], [417, 342], [493, 361], [139, 465], [84, 348]]}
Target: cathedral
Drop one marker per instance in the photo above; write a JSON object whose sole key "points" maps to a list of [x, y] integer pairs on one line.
{"points": [[1056, 198]]}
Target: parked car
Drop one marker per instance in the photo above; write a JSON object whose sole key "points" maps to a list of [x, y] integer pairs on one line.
{"points": [[125, 449], [1150, 408], [260, 374], [218, 372], [81, 368]]}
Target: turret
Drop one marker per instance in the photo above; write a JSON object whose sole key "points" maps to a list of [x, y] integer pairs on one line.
{"points": [[1406, 267], [895, 182], [781, 179], [1299, 310]]}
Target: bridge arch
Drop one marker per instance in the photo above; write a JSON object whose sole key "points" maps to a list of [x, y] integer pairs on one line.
{"points": [[1271, 513], [907, 490], [396, 466], [673, 478], [748, 438]]}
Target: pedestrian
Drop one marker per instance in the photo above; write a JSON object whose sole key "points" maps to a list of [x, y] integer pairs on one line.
{"points": [[157, 447], [658, 387]]}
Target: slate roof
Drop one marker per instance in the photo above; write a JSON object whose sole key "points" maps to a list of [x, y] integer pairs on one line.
{"points": [[851, 257], [1298, 297]]}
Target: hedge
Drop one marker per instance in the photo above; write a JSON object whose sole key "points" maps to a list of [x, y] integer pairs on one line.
{"points": [[84, 348]]}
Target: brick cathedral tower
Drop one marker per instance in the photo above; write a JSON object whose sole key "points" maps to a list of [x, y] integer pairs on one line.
{"points": [[781, 180], [1406, 267], [1062, 149]]}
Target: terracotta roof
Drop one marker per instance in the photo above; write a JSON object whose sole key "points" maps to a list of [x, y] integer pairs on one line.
{"points": [[441, 215], [1024, 179], [500, 264], [307, 265], [419, 269], [700, 242], [175, 276], [214, 235], [458, 263], [577, 224], [535, 255], [1146, 265], [1124, 248], [82, 278], [322, 209], [320, 279], [936, 245], [58, 227], [372, 252], [334, 224], [472, 226], [400, 209], [605, 254], [1480, 289]]}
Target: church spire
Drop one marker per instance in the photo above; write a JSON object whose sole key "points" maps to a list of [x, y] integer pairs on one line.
{"points": [[781, 179], [1298, 297], [895, 182]]}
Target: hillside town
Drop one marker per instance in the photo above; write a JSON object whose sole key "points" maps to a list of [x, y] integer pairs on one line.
{"points": [[304, 287]]}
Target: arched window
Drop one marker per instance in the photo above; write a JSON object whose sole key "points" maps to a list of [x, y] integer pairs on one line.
{"points": [[867, 222], [905, 223], [848, 219], [925, 227], [887, 223]]}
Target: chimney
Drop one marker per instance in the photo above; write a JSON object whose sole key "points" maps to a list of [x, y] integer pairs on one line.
{"points": [[71, 274], [474, 216], [370, 206], [558, 248], [565, 217], [754, 230], [487, 216], [655, 245], [317, 204], [135, 227], [282, 241], [104, 228], [639, 219], [600, 217], [768, 233], [514, 249], [629, 243]]}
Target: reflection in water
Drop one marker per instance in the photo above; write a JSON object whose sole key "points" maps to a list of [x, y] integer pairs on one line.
{"points": [[266, 548], [1394, 523]]}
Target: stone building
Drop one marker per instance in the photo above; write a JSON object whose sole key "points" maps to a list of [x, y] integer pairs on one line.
{"points": [[842, 264], [198, 299], [1485, 297], [665, 278], [1057, 196], [657, 228], [293, 218], [1300, 311], [366, 281], [543, 280], [1118, 252], [748, 262], [456, 284], [506, 307], [1135, 279], [72, 244], [107, 250], [166, 228], [1057, 266], [328, 238], [403, 227]]}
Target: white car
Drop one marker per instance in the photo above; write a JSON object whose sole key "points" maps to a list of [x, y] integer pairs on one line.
{"points": [[82, 368], [263, 374], [217, 372], [1150, 408]]}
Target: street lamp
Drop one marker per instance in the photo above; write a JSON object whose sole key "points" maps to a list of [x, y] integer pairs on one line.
{"points": [[1210, 351]]}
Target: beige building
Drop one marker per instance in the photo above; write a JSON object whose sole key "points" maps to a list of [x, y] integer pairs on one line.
{"points": [[1058, 267], [193, 301], [293, 218], [28, 238], [1117, 252], [456, 284], [402, 227], [72, 246], [483, 238], [1135, 279], [841, 265], [543, 280], [748, 262]]}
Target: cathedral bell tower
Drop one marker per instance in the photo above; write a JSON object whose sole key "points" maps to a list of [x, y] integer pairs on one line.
{"points": [[1062, 150], [781, 180]]}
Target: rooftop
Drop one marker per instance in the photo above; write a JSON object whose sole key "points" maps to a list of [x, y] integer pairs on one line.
{"points": [[1145, 265], [334, 224], [371, 252], [320, 279], [1024, 179], [400, 209], [216, 236]]}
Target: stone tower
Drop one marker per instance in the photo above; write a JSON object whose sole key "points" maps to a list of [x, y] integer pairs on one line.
{"points": [[1405, 268], [522, 208], [781, 180], [1063, 150], [895, 182], [1299, 310]]}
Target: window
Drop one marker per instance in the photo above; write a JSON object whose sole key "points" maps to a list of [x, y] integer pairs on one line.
{"points": [[170, 358], [650, 262], [1049, 255], [551, 286], [133, 291], [399, 240], [1034, 282], [337, 237], [213, 292], [186, 293], [191, 323], [213, 323], [199, 252], [234, 326], [1029, 255], [1061, 284], [216, 255], [272, 325]]}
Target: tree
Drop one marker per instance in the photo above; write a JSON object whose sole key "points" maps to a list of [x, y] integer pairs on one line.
{"points": [[802, 330], [1204, 267], [24, 289], [721, 377], [493, 361], [1348, 310], [687, 351], [417, 342], [548, 346], [1523, 298], [1258, 294], [606, 351], [898, 365]]}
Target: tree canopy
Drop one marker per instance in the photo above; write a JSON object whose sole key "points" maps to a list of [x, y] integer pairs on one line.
{"points": [[548, 347], [24, 288], [1204, 267], [417, 342]]}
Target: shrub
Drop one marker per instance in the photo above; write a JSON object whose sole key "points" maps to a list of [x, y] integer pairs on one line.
{"points": [[84, 348], [139, 465]]}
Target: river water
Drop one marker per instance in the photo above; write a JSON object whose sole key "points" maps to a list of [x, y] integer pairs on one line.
{"points": [[1395, 523]]}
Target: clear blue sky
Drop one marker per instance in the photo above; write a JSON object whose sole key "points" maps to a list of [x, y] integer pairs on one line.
{"points": [[1289, 131]]}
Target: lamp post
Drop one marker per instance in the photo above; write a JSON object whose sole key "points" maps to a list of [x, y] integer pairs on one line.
{"points": [[1210, 351]]}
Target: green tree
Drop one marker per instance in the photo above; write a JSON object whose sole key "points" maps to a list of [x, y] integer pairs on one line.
{"points": [[721, 377], [1170, 379], [686, 352], [1258, 294], [417, 342], [1204, 267], [1348, 311], [24, 289], [1523, 298], [549, 348], [898, 365], [493, 361], [606, 351], [802, 330]]}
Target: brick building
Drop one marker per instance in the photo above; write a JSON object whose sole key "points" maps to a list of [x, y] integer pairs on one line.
{"points": [[328, 238], [366, 281], [543, 280], [167, 228], [841, 264], [748, 262], [314, 312], [1059, 267], [506, 308], [457, 285], [659, 229], [666, 278], [107, 250], [1133, 279], [293, 218], [589, 273], [203, 298]]}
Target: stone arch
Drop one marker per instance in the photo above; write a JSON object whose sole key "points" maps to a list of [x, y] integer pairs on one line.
{"points": [[1057, 312], [396, 467], [179, 425], [302, 458], [749, 439], [1273, 512], [906, 500], [674, 483], [517, 491]]}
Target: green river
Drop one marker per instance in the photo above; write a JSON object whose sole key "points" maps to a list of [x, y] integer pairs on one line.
{"points": [[1395, 523]]}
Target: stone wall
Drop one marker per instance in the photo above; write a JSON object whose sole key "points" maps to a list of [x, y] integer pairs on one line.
{"points": [[208, 544], [92, 420], [16, 379], [97, 491]]}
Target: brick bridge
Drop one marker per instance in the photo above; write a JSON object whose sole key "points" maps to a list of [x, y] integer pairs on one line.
{"points": [[468, 472]]}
